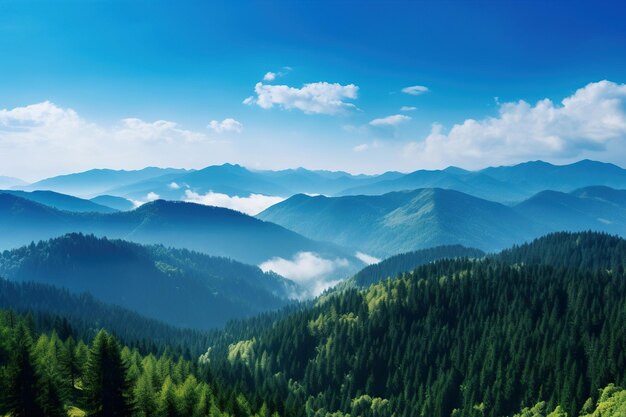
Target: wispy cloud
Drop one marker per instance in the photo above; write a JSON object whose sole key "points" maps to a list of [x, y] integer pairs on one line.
{"points": [[393, 120], [272, 76], [308, 269], [152, 196], [269, 76], [226, 125], [367, 259], [361, 148], [313, 98], [590, 120], [55, 139], [408, 108], [415, 90], [161, 130], [253, 204]]}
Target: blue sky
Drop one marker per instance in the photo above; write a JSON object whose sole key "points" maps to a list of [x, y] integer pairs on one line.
{"points": [[128, 84]]}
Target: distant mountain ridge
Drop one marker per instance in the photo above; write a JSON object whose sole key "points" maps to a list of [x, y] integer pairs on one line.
{"points": [[590, 208], [383, 225], [61, 201], [97, 181], [213, 230], [506, 184], [404, 221]]}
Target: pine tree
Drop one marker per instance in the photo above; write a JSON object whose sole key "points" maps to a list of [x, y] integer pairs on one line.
{"points": [[22, 396], [106, 382], [144, 396], [167, 406]]}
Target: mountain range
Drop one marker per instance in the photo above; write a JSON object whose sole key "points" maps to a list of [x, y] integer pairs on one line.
{"points": [[384, 225], [506, 184], [212, 230], [97, 181]]}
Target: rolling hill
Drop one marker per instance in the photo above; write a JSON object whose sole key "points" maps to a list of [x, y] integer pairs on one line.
{"points": [[407, 262], [61, 201], [212, 230], [116, 203], [178, 287], [593, 208], [404, 221]]}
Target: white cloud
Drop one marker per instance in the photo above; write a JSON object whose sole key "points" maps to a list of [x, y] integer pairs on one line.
{"points": [[415, 90], [308, 269], [161, 130], [408, 108], [226, 125], [272, 76], [367, 259], [174, 186], [312, 98], [152, 196], [56, 140], [361, 148], [393, 120], [589, 121], [40, 114], [254, 204]]}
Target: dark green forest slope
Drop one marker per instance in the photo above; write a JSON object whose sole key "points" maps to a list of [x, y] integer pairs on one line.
{"points": [[405, 262], [177, 286], [455, 337]]}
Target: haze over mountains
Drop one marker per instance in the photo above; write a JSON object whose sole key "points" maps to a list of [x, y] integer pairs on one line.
{"points": [[503, 184], [214, 230], [168, 270], [316, 237], [408, 220], [97, 181], [62, 201]]}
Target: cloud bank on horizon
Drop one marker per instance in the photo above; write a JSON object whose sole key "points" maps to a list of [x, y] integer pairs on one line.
{"points": [[593, 119], [46, 139]]}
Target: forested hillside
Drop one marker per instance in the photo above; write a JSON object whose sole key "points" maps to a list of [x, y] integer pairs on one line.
{"points": [[392, 223], [176, 286], [577, 251], [44, 375], [82, 315], [454, 337], [405, 262]]}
